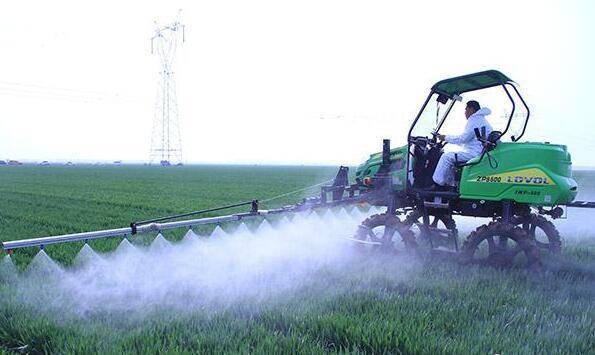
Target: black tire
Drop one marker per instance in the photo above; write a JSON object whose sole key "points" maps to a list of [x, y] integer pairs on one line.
{"points": [[370, 231], [415, 219], [553, 243], [500, 253]]}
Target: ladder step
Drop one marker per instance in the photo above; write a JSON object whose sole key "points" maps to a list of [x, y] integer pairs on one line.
{"points": [[435, 204]]}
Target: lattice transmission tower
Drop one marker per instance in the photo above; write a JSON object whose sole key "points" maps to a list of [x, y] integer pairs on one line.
{"points": [[166, 142]]}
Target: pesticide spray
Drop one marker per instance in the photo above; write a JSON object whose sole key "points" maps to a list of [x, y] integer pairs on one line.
{"points": [[262, 264]]}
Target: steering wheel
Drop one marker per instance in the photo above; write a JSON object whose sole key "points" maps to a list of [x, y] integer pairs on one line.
{"points": [[435, 142], [434, 136], [420, 140], [427, 143]]}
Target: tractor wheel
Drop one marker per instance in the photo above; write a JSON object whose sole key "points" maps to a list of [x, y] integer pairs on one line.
{"points": [[439, 224], [379, 230], [500, 244], [543, 232]]}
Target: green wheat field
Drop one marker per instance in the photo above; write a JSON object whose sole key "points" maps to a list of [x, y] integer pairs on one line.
{"points": [[375, 304]]}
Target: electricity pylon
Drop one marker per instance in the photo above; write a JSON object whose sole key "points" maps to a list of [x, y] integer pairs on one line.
{"points": [[166, 142]]}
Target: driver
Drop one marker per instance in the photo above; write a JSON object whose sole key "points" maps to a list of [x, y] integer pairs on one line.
{"points": [[470, 146]]}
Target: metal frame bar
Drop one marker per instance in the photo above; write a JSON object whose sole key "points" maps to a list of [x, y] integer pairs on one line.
{"points": [[528, 113], [503, 85], [9, 246], [582, 204], [119, 232], [253, 203], [421, 110], [511, 112]]}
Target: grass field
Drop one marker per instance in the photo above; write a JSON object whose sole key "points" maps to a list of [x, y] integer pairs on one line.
{"points": [[369, 304]]}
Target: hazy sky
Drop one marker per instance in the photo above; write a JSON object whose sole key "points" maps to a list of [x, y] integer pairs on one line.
{"points": [[255, 78]]}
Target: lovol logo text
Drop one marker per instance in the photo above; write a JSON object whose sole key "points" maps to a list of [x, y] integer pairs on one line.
{"points": [[531, 176], [534, 180]]}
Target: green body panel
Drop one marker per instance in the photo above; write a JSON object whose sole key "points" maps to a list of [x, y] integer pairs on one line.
{"points": [[539, 174], [532, 173], [398, 157]]}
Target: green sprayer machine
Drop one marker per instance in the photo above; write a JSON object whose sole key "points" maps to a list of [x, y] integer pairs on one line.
{"points": [[520, 186]]}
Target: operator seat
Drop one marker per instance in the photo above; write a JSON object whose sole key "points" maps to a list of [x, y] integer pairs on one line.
{"points": [[492, 140]]}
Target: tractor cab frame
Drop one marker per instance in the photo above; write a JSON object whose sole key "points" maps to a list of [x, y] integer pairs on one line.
{"points": [[426, 150]]}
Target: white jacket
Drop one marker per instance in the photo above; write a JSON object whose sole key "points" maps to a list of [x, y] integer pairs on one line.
{"points": [[467, 140]]}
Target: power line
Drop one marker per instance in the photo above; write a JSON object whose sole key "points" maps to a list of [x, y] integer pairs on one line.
{"points": [[54, 93]]}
